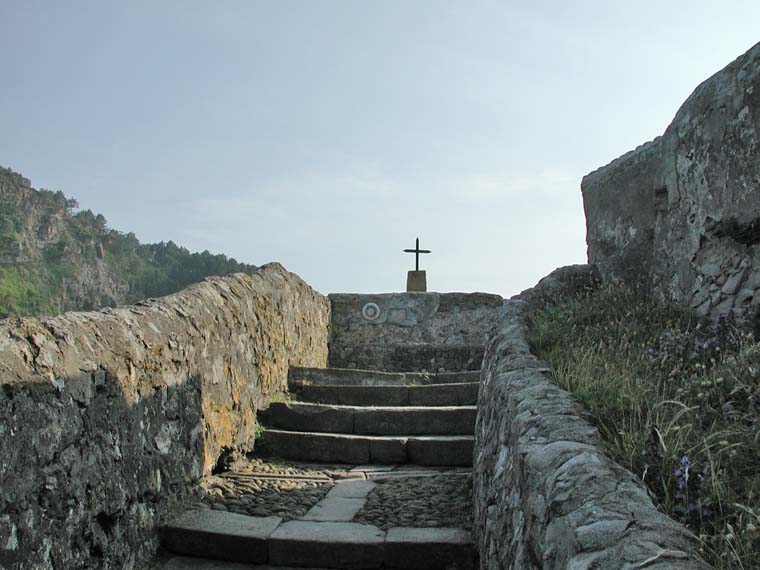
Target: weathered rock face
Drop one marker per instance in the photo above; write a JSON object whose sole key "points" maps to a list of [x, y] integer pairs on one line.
{"points": [[105, 417], [404, 332], [681, 214], [546, 495]]}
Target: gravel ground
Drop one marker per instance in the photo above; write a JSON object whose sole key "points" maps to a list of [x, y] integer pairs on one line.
{"points": [[439, 501]]}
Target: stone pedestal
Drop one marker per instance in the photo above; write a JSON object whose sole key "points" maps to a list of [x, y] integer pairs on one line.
{"points": [[416, 281]]}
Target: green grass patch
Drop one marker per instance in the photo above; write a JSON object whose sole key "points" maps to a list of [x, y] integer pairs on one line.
{"points": [[676, 400], [24, 291]]}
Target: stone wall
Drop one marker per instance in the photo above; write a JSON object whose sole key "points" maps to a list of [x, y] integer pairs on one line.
{"points": [[546, 495], [405, 332], [681, 214], [106, 417]]}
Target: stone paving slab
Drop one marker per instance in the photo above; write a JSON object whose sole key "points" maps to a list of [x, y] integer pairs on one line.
{"points": [[429, 548], [309, 446], [335, 509], [414, 420], [342, 503], [354, 449], [350, 395], [327, 544], [221, 535], [371, 420], [443, 450], [387, 449], [351, 489], [451, 394], [300, 416]]}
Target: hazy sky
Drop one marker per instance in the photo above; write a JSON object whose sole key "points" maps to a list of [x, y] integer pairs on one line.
{"points": [[327, 135]]}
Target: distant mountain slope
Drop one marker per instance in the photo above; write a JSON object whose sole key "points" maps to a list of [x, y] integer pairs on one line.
{"points": [[53, 260]]}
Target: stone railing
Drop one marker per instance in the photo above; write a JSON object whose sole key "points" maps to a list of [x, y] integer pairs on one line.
{"points": [[546, 495], [107, 417]]}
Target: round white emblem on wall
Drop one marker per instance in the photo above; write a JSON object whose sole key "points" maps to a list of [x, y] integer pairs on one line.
{"points": [[370, 311]]}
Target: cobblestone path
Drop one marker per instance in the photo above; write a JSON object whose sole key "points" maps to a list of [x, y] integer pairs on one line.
{"points": [[397, 495]]}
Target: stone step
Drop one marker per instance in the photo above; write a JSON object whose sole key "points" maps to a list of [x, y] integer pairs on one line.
{"points": [[405, 357], [362, 420], [454, 394], [220, 535], [298, 376], [192, 563], [363, 449]]}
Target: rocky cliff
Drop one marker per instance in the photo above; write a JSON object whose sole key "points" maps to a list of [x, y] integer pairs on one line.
{"points": [[54, 260], [681, 214]]}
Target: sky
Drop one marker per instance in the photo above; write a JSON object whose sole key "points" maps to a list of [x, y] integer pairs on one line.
{"points": [[328, 135]]}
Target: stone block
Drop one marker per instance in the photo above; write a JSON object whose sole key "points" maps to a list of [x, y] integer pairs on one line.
{"points": [[307, 446], [429, 549], [415, 420], [356, 489], [388, 450], [355, 395], [299, 416], [185, 563], [327, 545], [460, 394], [336, 509], [221, 535], [440, 450], [416, 281], [413, 330]]}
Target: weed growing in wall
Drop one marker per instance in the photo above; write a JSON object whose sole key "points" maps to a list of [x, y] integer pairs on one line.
{"points": [[676, 400]]}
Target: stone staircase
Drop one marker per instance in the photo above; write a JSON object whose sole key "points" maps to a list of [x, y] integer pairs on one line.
{"points": [[375, 421], [365, 417], [397, 434]]}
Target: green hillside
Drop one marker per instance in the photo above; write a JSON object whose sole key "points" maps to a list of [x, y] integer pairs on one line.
{"points": [[54, 260]]}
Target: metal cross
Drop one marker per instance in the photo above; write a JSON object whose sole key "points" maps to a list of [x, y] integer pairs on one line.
{"points": [[417, 251]]}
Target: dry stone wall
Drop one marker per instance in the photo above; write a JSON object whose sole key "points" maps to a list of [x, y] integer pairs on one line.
{"points": [[405, 332], [106, 417], [681, 214], [546, 495]]}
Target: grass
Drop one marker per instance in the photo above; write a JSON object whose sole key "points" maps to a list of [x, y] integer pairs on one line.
{"points": [[30, 289], [676, 400]]}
